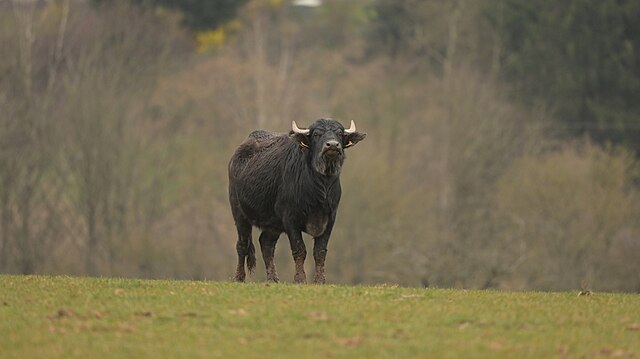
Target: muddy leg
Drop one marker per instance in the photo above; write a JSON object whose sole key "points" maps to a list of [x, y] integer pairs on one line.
{"points": [[242, 248], [319, 255], [299, 253], [268, 241], [320, 251]]}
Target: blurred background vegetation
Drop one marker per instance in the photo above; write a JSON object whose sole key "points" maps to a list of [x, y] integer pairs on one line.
{"points": [[502, 152]]}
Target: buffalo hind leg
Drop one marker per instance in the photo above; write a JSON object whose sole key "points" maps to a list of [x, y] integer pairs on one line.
{"points": [[245, 249], [268, 240], [299, 254]]}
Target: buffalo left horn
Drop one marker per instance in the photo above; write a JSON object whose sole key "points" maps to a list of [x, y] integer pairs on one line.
{"points": [[351, 129], [295, 129]]}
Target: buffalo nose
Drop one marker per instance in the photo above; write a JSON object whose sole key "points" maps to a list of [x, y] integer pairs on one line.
{"points": [[332, 143]]}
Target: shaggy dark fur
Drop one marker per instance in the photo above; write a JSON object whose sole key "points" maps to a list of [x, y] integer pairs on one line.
{"points": [[288, 183]]}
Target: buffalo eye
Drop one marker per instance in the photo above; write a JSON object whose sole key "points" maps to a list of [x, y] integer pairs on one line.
{"points": [[316, 134]]}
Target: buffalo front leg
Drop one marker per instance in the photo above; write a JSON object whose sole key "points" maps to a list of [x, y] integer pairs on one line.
{"points": [[320, 252], [299, 253], [319, 255], [268, 240]]}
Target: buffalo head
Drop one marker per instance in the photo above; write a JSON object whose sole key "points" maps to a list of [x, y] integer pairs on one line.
{"points": [[325, 141]]}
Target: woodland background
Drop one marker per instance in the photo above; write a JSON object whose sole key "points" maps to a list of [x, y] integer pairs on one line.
{"points": [[502, 151]]}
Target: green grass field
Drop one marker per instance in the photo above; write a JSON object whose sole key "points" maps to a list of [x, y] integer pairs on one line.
{"points": [[49, 317]]}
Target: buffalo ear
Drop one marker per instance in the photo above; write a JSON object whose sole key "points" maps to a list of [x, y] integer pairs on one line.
{"points": [[353, 138], [302, 139]]}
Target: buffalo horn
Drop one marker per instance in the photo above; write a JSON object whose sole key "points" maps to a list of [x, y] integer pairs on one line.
{"points": [[351, 129], [295, 129]]}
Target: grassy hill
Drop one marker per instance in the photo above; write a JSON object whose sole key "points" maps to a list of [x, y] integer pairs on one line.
{"points": [[48, 317]]}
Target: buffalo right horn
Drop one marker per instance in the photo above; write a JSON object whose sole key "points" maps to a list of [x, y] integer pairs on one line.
{"points": [[295, 129]]}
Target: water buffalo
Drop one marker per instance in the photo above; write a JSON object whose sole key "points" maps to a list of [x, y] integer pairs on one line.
{"points": [[288, 183]]}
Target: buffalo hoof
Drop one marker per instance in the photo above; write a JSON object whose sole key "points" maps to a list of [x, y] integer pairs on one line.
{"points": [[239, 277], [300, 278], [319, 279], [273, 279]]}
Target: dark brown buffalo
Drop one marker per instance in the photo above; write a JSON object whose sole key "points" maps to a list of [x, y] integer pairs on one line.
{"points": [[288, 183]]}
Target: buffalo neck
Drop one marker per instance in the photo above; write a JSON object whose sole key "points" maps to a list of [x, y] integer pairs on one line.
{"points": [[314, 187]]}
